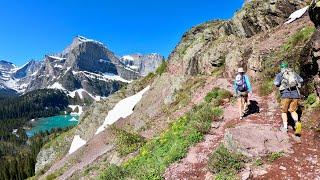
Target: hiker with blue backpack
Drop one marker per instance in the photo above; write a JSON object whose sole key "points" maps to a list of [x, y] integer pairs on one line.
{"points": [[242, 88], [289, 83]]}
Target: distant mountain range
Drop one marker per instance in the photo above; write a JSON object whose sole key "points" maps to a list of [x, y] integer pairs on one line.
{"points": [[86, 68]]}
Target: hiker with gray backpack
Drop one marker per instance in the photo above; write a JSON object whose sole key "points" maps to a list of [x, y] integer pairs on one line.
{"points": [[242, 88], [289, 83]]}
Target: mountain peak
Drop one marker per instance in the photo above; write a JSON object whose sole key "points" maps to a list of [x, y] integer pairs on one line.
{"points": [[82, 39]]}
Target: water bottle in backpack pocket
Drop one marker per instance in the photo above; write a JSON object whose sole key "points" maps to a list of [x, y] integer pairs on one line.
{"points": [[241, 83]]}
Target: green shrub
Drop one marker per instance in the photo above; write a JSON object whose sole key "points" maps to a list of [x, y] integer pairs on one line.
{"points": [[217, 94], [266, 87], [217, 112], [113, 172], [298, 38], [51, 176], [201, 118], [127, 142], [225, 176], [162, 68], [274, 156], [311, 99], [258, 162], [222, 161]]}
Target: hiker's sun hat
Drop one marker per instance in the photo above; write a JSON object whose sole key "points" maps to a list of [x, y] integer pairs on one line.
{"points": [[240, 70]]}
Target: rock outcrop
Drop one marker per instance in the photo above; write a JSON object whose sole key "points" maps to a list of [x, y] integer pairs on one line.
{"points": [[256, 140], [208, 46]]}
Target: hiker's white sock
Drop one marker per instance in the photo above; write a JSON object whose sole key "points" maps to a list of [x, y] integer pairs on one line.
{"points": [[285, 120], [295, 116], [285, 125]]}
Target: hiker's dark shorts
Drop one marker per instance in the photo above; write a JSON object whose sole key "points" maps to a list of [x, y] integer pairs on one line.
{"points": [[243, 94], [290, 105]]}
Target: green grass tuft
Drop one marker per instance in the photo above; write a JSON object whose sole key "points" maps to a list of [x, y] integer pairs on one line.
{"points": [[127, 142], [311, 99], [217, 94], [225, 164], [113, 172], [266, 87], [274, 156], [162, 68], [298, 38]]}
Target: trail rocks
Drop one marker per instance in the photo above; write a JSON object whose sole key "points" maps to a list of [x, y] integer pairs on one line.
{"points": [[255, 140]]}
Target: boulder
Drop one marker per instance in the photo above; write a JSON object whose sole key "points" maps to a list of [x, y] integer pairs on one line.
{"points": [[255, 140]]}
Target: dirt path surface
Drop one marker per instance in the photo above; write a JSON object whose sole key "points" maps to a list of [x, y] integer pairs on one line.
{"points": [[302, 164]]}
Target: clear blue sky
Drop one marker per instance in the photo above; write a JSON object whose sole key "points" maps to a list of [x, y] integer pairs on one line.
{"points": [[29, 29]]}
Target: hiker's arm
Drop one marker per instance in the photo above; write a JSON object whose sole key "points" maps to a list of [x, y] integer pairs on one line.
{"points": [[248, 84], [235, 88], [278, 80], [299, 78], [313, 3]]}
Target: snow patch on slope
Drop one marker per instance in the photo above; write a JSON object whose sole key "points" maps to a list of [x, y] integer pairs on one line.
{"points": [[57, 58], [128, 57], [57, 85], [84, 39], [297, 14], [76, 144], [122, 109], [103, 77]]}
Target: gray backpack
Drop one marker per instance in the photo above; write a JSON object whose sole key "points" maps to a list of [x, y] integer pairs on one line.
{"points": [[289, 80]]}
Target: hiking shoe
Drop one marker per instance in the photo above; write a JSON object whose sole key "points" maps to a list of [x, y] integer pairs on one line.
{"points": [[283, 129], [298, 128]]}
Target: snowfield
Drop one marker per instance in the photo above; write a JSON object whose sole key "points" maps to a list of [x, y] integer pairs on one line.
{"points": [[122, 109], [76, 144]]}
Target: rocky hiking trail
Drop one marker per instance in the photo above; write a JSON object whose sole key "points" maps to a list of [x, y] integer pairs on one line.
{"points": [[301, 161]]}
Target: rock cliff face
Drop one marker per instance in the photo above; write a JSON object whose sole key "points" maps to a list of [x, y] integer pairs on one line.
{"points": [[144, 64], [212, 44]]}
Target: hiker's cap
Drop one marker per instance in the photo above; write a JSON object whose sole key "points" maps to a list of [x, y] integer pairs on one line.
{"points": [[240, 70], [284, 64]]}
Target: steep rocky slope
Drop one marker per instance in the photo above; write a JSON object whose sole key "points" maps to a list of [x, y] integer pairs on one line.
{"points": [[206, 57]]}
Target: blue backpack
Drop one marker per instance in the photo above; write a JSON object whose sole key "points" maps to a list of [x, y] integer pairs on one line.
{"points": [[241, 83]]}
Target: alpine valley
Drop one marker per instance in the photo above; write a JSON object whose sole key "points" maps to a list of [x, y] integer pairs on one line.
{"points": [[44, 98], [85, 69]]}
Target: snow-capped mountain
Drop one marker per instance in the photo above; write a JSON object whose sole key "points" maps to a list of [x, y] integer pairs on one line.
{"points": [[29, 69], [85, 69], [6, 70], [16, 79], [144, 64]]}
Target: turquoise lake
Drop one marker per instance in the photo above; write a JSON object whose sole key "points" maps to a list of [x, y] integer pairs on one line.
{"points": [[48, 123]]}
